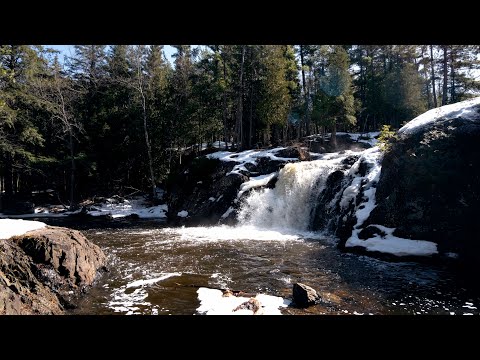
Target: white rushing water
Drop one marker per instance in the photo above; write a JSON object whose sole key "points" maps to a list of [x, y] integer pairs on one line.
{"points": [[288, 206]]}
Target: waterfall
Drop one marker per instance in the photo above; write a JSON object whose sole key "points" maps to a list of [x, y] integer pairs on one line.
{"points": [[290, 203], [306, 198]]}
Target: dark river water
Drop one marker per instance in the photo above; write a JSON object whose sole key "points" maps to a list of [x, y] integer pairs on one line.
{"points": [[155, 269]]}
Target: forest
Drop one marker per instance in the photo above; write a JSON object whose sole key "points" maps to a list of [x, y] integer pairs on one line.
{"points": [[121, 118]]}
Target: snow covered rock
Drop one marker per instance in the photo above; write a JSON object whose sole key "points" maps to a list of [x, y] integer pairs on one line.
{"points": [[429, 188]]}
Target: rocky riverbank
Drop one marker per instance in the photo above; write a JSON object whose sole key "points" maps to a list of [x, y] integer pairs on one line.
{"points": [[46, 270]]}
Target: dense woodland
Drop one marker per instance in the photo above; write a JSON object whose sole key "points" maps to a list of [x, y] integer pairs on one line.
{"points": [[114, 119]]}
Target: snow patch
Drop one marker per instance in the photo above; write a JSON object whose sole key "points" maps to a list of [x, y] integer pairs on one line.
{"points": [[135, 206], [11, 227], [212, 302], [391, 244], [367, 138], [227, 213], [183, 213], [464, 109], [248, 157], [254, 182]]}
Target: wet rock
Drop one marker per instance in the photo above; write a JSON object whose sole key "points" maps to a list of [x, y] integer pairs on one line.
{"points": [[350, 160], [370, 232], [304, 295], [252, 304], [294, 152], [207, 189], [45, 271]]}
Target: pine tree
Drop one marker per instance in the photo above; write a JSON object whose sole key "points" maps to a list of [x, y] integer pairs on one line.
{"points": [[276, 88], [402, 91], [158, 73], [19, 135], [336, 100]]}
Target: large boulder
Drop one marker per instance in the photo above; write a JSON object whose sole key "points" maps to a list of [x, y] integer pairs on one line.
{"points": [[429, 187], [44, 271]]}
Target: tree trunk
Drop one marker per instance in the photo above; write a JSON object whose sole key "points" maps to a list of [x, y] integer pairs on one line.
{"points": [[239, 117], [452, 74], [250, 119], [72, 169], [8, 177], [147, 142], [427, 81], [435, 104], [445, 76], [224, 101], [304, 84]]}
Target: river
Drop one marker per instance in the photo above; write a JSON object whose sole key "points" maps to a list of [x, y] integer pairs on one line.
{"points": [[157, 269]]}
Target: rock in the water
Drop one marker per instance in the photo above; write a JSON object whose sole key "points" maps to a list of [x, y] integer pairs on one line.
{"points": [[252, 304], [45, 270], [304, 295]]}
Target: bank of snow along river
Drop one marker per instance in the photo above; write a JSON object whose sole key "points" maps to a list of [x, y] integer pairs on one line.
{"points": [[373, 232]]}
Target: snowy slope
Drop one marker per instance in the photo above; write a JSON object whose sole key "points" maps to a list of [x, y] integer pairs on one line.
{"points": [[464, 109]]}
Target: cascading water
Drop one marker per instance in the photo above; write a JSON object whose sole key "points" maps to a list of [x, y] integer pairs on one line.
{"points": [[289, 205]]}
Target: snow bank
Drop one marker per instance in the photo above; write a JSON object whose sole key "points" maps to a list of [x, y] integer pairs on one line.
{"points": [[127, 208], [248, 157], [10, 227], [135, 206], [391, 244], [212, 302], [464, 109]]}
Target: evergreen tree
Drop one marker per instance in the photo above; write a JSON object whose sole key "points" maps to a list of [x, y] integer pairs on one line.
{"points": [[19, 135], [402, 91], [336, 100]]}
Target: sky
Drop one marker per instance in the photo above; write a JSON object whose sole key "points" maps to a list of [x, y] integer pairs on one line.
{"points": [[67, 50]]}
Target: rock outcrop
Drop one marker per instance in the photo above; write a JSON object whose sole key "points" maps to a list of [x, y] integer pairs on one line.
{"points": [[44, 271], [429, 187], [208, 188], [304, 295]]}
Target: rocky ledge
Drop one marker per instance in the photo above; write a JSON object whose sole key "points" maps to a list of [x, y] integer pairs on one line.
{"points": [[45, 271]]}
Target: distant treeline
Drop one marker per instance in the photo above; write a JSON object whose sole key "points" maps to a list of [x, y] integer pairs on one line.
{"points": [[110, 119]]}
